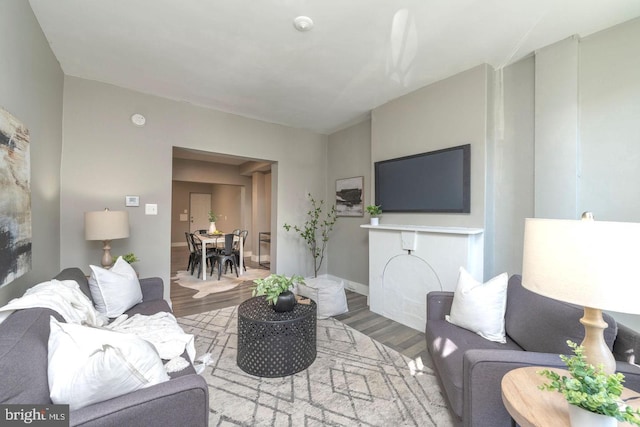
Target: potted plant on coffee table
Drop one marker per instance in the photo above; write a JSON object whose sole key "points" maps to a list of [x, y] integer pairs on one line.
{"points": [[590, 392], [277, 288]]}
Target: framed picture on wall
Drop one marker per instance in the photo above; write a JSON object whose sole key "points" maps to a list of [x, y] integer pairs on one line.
{"points": [[349, 196]]}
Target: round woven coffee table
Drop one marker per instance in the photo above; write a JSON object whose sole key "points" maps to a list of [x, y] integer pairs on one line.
{"points": [[272, 344]]}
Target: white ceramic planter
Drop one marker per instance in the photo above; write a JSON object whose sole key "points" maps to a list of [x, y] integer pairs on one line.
{"points": [[582, 418], [375, 221], [212, 227]]}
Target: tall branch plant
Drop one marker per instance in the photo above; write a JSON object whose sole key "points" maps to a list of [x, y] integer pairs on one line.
{"points": [[315, 230]]}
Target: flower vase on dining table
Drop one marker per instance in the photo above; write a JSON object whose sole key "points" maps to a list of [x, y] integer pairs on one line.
{"points": [[212, 227]]}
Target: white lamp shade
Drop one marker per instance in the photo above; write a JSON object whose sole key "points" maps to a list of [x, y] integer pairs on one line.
{"points": [[590, 263], [106, 225]]}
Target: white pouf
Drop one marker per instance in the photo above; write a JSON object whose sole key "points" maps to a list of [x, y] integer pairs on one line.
{"points": [[327, 293]]}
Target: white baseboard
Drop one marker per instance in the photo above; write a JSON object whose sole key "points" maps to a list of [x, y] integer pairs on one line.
{"points": [[265, 258], [178, 244], [350, 285]]}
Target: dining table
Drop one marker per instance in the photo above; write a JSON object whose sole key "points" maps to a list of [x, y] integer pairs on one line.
{"points": [[212, 239]]}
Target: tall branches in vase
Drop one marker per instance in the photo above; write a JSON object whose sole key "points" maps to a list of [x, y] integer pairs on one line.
{"points": [[316, 229]]}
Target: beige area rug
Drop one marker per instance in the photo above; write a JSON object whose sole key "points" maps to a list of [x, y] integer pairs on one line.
{"points": [[354, 381], [212, 285]]}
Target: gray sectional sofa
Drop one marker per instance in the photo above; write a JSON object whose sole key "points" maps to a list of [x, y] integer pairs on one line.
{"points": [[470, 368], [181, 401]]}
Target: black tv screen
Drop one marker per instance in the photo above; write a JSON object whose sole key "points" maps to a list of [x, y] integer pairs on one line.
{"points": [[437, 181]]}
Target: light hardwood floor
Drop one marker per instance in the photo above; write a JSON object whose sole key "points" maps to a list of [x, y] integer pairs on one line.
{"points": [[401, 338]]}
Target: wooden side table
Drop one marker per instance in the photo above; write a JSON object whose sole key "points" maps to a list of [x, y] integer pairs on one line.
{"points": [[532, 407]]}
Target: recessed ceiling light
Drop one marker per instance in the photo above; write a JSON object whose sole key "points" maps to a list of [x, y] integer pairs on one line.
{"points": [[303, 23]]}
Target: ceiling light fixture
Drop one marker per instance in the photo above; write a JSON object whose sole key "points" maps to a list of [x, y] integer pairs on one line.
{"points": [[303, 23]]}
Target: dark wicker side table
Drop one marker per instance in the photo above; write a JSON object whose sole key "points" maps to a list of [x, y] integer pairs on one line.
{"points": [[272, 344]]}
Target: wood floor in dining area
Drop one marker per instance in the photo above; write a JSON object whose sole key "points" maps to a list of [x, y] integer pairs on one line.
{"points": [[401, 338]]}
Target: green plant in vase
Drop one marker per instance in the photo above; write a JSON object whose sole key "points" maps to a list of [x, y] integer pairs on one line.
{"points": [[316, 230], [590, 388], [275, 287], [374, 211], [130, 258]]}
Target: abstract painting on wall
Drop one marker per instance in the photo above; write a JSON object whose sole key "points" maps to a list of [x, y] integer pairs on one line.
{"points": [[15, 203], [349, 196]]}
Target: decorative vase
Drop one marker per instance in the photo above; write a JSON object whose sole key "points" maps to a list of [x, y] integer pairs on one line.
{"points": [[212, 227], [375, 221], [582, 418], [285, 302]]}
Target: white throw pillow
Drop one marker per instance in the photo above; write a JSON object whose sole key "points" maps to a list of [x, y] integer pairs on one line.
{"points": [[480, 307], [89, 365], [115, 291]]}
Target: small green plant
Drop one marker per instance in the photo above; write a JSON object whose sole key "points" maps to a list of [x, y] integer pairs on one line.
{"points": [[590, 388], [130, 258], [374, 210], [315, 230], [212, 216], [275, 284]]}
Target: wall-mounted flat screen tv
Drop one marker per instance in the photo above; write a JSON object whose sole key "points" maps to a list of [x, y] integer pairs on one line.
{"points": [[437, 181]]}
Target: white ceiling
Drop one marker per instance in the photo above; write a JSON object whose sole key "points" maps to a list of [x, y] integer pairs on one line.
{"points": [[245, 57]]}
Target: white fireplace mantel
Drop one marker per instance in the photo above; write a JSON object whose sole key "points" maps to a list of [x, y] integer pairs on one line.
{"points": [[408, 261], [425, 228]]}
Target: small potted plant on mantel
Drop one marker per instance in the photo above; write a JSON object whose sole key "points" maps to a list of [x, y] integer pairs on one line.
{"points": [[593, 395], [375, 211], [277, 288]]}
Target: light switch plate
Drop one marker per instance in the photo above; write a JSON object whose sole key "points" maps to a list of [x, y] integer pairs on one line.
{"points": [[151, 209]]}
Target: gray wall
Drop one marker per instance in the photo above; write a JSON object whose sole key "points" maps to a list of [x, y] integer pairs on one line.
{"points": [[105, 158], [513, 163], [349, 156], [610, 123], [445, 114], [31, 84]]}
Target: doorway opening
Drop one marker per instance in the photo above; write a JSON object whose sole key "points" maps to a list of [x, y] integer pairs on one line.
{"points": [[238, 190]]}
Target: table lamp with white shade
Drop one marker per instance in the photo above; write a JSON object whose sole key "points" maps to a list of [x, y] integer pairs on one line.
{"points": [[589, 263], [106, 225]]}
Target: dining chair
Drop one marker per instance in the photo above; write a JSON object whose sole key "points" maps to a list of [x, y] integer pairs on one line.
{"points": [[226, 255], [236, 246], [192, 252], [197, 260]]}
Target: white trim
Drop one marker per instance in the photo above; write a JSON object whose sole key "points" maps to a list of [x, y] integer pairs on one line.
{"points": [[350, 285], [178, 244]]}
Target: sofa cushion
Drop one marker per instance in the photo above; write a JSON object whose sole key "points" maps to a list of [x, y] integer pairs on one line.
{"points": [[447, 344], [74, 273], [116, 290], [88, 365], [23, 356], [531, 317], [479, 307]]}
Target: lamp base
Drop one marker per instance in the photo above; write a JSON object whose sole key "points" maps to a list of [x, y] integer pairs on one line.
{"points": [[107, 259], [595, 348]]}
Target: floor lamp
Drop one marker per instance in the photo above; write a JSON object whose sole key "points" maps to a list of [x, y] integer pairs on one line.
{"points": [[106, 225], [588, 263]]}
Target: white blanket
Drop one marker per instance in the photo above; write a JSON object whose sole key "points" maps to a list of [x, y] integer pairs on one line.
{"points": [[65, 297], [62, 296], [161, 330]]}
